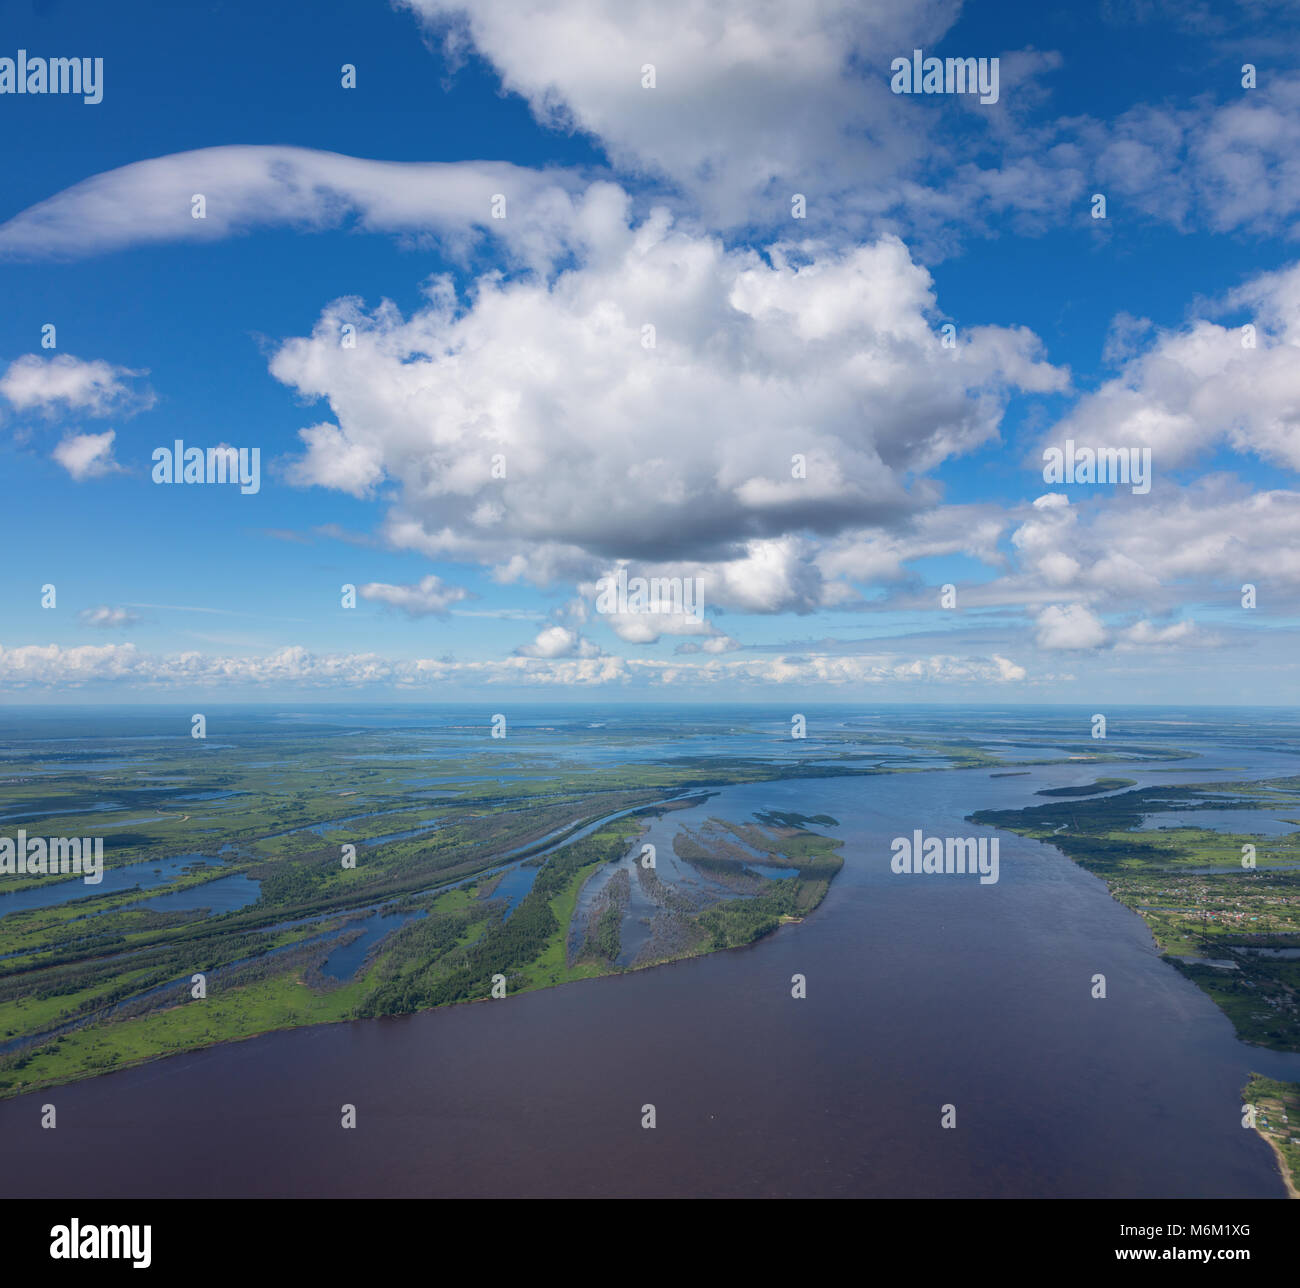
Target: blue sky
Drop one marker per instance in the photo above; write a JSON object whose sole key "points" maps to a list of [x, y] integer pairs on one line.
{"points": [[523, 337]]}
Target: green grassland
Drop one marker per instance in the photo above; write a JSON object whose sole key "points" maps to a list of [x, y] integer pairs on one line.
{"points": [[103, 983]]}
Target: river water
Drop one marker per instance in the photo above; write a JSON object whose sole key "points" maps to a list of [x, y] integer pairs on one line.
{"points": [[922, 991]]}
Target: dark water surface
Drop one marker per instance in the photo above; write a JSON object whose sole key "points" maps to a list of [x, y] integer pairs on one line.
{"points": [[922, 991]]}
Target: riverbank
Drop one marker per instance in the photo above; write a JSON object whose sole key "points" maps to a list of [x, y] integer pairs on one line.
{"points": [[1222, 902], [1221, 918], [1277, 1120]]}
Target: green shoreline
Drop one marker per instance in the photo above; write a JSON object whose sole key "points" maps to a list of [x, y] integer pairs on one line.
{"points": [[1277, 1106], [447, 957]]}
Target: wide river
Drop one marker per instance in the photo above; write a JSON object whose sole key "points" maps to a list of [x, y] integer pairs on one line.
{"points": [[921, 992]]}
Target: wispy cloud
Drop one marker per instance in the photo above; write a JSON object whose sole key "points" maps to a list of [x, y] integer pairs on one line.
{"points": [[248, 187], [107, 618]]}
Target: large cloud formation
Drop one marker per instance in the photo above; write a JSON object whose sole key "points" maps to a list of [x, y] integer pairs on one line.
{"points": [[702, 411], [745, 93], [755, 99]]}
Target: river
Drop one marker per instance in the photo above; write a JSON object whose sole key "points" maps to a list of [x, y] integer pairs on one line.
{"points": [[922, 991]]}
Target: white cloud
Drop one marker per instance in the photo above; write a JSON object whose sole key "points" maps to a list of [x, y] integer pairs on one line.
{"points": [[247, 187], [88, 456], [1145, 555], [559, 641], [714, 644], [676, 457], [1199, 387], [108, 618], [1208, 537], [755, 101], [1009, 671], [1184, 633], [746, 93], [430, 596], [52, 666], [62, 384], [883, 668], [332, 461], [1229, 166], [648, 628], [1068, 626], [882, 555]]}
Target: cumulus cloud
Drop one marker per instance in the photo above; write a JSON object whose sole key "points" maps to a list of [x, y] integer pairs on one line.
{"points": [[1149, 560], [559, 641], [746, 94], [1226, 166], [332, 461], [429, 597], [1068, 626], [1205, 539], [788, 395], [753, 102], [62, 384], [648, 628], [88, 456], [1204, 385], [1223, 165], [769, 421]]}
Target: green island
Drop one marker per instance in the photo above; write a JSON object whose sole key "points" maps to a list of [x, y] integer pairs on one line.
{"points": [[1222, 905], [1089, 789], [255, 871]]}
